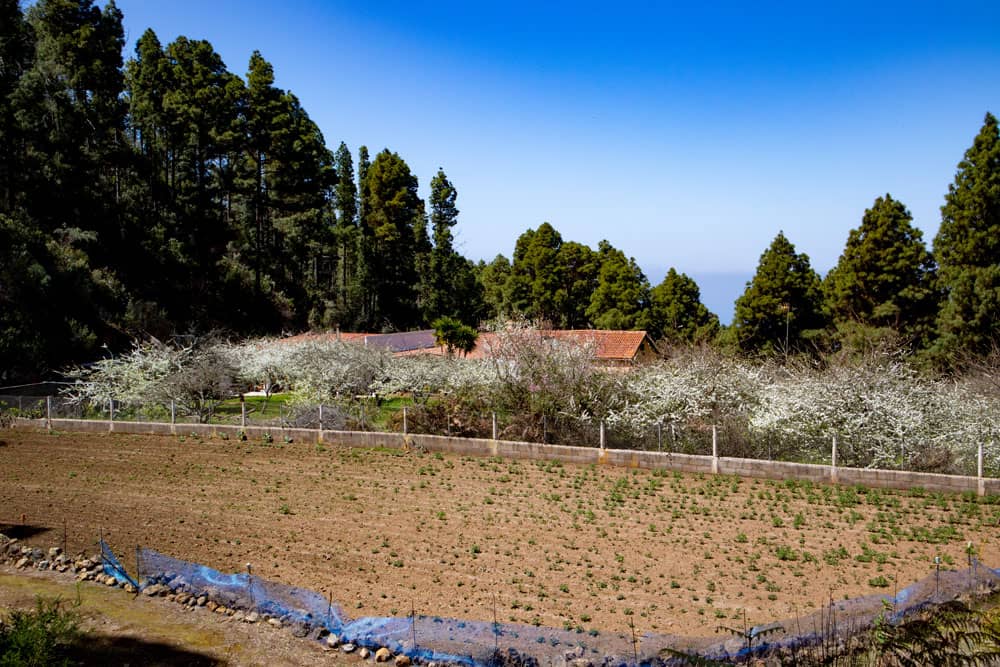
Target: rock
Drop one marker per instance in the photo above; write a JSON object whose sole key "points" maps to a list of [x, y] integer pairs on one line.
{"points": [[110, 581], [300, 630], [252, 617], [276, 622], [348, 648], [364, 653], [581, 662], [318, 633], [202, 601], [151, 591], [383, 655], [333, 641], [239, 616], [221, 610], [54, 552], [22, 563], [403, 661], [129, 588], [211, 605], [43, 565]]}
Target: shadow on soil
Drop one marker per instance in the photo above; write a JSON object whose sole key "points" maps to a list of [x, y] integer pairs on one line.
{"points": [[21, 531], [101, 650]]}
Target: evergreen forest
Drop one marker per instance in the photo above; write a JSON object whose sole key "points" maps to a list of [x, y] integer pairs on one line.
{"points": [[158, 193]]}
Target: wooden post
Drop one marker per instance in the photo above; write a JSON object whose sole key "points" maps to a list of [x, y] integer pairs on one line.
{"points": [[404, 420], [494, 425], [715, 450], [833, 461], [659, 436], [602, 434]]}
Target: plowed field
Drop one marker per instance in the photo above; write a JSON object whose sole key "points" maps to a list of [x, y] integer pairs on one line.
{"points": [[385, 532]]}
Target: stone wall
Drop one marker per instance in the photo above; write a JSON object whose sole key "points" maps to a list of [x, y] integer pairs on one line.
{"points": [[533, 451]]}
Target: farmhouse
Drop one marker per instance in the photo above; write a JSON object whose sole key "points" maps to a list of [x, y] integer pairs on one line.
{"points": [[612, 348]]}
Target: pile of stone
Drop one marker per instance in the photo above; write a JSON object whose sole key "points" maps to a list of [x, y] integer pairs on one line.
{"points": [[22, 556], [174, 589]]}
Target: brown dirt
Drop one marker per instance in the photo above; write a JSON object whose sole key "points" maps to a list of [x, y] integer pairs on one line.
{"points": [[384, 531]]}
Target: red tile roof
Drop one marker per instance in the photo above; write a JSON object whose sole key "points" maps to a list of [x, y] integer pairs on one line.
{"points": [[611, 346]]}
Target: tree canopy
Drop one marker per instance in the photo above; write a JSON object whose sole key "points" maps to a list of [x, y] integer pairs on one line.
{"points": [[782, 305], [967, 248], [885, 278]]}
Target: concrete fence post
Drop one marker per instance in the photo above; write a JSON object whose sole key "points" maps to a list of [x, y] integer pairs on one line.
{"points": [[980, 481], [659, 436], [715, 450], [243, 413], [111, 414], [48, 412], [602, 434], [833, 461], [404, 420], [494, 425], [173, 416], [319, 436]]}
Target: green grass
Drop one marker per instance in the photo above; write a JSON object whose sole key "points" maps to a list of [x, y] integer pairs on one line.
{"points": [[258, 407]]}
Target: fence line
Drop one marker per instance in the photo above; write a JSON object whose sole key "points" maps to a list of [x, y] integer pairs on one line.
{"points": [[625, 458]]}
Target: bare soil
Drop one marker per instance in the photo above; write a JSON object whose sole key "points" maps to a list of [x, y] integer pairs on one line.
{"points": [[384, 531]]}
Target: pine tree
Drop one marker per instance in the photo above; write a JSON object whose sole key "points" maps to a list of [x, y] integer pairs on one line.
{"points": [[16, 51], [392, 212], [621, 300], [347, 301], [885, 279], [578, 268], [967, 249], [492, 279], [536, 276], [782, 305], [451, 287], [677, 314]]}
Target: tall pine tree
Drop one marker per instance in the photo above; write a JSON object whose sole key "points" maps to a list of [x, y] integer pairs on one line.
{"points": [[967, 249], [782, 305], [677, 314], [885, 278]]}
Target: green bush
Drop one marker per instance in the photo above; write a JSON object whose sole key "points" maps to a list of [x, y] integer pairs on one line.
{"points": [[38, 637]]}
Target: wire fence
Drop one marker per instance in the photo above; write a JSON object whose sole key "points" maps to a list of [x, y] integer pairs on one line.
{"points": [[823, 636], [728, 437]]}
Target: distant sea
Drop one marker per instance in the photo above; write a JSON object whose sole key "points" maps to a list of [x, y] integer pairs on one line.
{"points": [[719, 289]]}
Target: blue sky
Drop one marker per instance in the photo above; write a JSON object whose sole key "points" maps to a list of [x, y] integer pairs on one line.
{"points": [[687, 136]]}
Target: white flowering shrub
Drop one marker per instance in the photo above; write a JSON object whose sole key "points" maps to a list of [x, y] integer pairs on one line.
{"points": [[883, 413], [131, 379]]}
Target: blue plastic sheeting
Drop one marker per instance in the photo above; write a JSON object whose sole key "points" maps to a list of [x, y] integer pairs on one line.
{"points": [[474, 643]]}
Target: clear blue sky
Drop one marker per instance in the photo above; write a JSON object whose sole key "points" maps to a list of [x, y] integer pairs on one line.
{"points": [[687, 136]]}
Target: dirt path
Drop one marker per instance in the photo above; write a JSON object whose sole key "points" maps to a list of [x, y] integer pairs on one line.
{"points": [[578, 547]]}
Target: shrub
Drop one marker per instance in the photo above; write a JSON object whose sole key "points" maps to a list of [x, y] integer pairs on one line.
{"points": [[38, 637]]}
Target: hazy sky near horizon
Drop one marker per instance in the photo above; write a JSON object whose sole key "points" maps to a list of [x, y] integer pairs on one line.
{"points": [[687, 136]]}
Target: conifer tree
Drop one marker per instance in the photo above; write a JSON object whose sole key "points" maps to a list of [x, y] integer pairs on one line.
{"points": [[392, 212], [621, 300], [967, 249], [677, 314], [782, 305], [885, 278]]}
